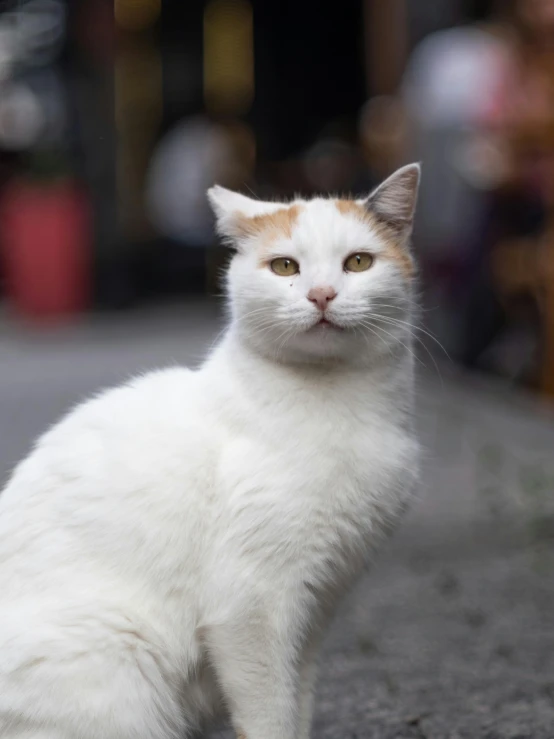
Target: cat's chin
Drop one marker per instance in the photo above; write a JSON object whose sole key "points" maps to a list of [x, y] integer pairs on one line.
{"points": [[320, 342]]}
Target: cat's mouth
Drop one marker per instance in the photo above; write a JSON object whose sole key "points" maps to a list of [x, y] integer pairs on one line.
{"points": [[326, 323]]}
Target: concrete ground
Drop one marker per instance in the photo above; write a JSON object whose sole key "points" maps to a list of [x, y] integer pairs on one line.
{"points": [[451, 635]]}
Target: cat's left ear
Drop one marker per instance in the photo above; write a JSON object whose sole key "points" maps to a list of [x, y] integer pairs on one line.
{"points": [[234, 212], [393, 203]]}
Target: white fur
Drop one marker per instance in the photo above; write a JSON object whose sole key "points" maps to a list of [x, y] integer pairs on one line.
{"points": [[177, 545]]}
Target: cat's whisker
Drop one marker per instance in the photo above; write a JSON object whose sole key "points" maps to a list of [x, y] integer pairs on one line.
{"points": [[254, 312], [413, 335], [398, 341], [366, 337], [290, 330], [270, 323], [415, 327]]}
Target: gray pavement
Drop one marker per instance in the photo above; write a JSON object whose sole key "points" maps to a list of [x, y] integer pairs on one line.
{"points": [[451, 635]]}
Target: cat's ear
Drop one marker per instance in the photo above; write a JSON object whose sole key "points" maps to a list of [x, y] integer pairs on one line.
{"points": [[234, 212], [393, 203]]}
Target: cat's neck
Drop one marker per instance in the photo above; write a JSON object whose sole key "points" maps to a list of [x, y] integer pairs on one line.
{"points": [[257, 371]]}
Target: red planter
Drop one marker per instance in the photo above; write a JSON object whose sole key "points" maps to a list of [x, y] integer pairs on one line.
{"points": [[45, 247]]}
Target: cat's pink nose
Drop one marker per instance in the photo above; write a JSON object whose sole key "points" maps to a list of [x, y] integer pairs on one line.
{"points": [[322, 296]]}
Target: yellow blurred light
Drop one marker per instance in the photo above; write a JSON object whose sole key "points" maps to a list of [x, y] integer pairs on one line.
{"points": [[136, 15], [228, 56]]}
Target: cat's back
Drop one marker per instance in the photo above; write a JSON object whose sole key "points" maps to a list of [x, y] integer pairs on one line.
{"points": [[114, 479], [119, 432]]}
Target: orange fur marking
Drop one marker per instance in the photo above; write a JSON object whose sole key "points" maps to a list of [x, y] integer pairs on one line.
{"points": [[272, 225], [393, 251], [350, 207], [279, 223]]}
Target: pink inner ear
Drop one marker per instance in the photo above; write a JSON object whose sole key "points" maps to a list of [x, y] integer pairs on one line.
{"points": [[394, 201]]}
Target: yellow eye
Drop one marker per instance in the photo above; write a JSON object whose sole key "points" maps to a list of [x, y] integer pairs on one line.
{"points": [[358, 262], [284, 267]]}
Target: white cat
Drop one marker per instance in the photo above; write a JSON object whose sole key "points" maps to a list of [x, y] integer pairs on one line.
{"points": [[176, 546]]}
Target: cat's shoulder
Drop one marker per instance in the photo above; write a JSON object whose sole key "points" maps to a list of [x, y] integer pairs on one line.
{"points": [[136, 424], [145, 400], [155, 388]]}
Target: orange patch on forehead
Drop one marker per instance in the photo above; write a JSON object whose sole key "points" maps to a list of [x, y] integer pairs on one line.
{"points": [[274, 225], [393, 251], [350, 207]]}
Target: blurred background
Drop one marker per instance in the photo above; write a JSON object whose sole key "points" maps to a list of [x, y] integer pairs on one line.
{"points": [[114, 120]]}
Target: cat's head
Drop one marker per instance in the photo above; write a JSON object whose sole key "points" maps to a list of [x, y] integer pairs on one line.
{"points": [[323, 278]]}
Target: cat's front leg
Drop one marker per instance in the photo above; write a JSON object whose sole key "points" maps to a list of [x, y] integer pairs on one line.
{"points": [[308, 675], [308, 670], [257, 671]]}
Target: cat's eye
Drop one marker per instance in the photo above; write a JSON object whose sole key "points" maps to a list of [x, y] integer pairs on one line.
{"points": [[284, 267], [358, 262]]}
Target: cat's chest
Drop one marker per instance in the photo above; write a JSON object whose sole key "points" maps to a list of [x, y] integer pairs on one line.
{"points": [[306, 490]]}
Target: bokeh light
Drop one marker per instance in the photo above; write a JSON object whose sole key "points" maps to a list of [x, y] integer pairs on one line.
{"points": [[136, 15]]}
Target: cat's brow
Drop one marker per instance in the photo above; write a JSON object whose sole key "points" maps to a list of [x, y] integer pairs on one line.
{"points": [[274, 225], [350, 207], [392, 250]]}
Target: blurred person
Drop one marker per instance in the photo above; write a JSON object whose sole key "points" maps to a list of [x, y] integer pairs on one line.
{"points": [[447, 89], [190, 156], [518, 132]]}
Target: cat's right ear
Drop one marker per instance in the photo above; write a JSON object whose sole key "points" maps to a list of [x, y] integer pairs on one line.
{"points": [[393, 202], [234, 212]]}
